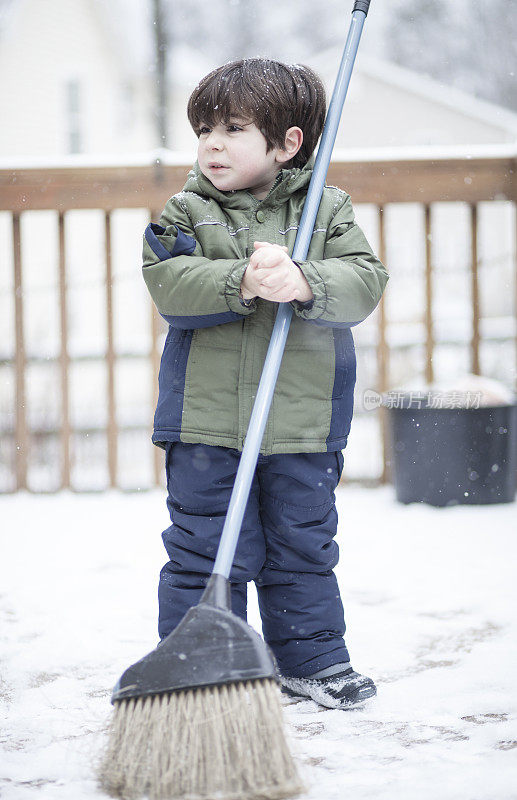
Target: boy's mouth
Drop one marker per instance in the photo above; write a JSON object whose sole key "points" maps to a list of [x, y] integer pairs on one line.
{"points": [[215, 166]]}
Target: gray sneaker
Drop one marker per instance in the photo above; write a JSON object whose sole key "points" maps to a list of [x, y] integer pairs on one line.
{"points": [[341, 689]]}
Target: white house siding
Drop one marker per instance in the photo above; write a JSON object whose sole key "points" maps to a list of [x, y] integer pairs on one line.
{"points": [[390, 106], [186, 68], [379, 114]]}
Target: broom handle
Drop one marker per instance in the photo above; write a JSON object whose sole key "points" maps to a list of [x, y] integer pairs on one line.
{"points": [[259, 415]]}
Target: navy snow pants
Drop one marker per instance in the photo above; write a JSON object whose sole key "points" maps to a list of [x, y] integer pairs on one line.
{"points": [[286, 546]]}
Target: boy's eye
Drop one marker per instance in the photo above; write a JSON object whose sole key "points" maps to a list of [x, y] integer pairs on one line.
{"points": [[204, 129], [234, 128]]}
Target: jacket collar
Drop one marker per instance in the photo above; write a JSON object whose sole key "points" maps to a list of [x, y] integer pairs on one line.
{"points": [[287, 183]]}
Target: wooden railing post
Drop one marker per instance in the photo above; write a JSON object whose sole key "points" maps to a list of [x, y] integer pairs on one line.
{"points": [[429, 337], [383, 354], [64, 360], [475, 339], [112, 432], [21, 436]]}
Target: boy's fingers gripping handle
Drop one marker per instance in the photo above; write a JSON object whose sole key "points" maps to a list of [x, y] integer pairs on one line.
{"points": [[361, 5]]}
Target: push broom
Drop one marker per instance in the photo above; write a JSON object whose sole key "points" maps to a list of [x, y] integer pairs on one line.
{"points": [[199, 718]]}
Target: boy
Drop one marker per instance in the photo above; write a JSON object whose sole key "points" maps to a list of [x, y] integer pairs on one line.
{"points": [[216, 266]]}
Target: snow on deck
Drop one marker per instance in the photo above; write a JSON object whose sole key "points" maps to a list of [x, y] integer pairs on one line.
{"points": [[430, 603]]}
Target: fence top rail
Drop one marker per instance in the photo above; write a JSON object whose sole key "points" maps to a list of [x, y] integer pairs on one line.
{"points": [[173, 157], [380, 176]]}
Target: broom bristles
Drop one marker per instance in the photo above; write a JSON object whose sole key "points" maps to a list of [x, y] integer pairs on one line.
{"points": [[215, 743]]}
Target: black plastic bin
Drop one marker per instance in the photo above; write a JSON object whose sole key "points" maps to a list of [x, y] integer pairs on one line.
{"points": [[447, 456]]}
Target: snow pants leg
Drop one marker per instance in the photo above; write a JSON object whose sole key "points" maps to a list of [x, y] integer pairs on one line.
{"points": [[299, 599], [200, 480], [286, 546]]}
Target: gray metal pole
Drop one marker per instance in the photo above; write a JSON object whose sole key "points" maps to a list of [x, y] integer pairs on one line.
{"points": [[266, 387]]}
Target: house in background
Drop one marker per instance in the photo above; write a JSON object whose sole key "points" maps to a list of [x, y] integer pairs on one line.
{"points": [[390, 106], [70, 80], [76, 78]]}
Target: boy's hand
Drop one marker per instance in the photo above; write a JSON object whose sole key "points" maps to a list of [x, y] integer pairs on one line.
{"points": [[273, 276]]}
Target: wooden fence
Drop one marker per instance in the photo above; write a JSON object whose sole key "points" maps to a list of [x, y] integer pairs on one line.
{"points": [[425, 181]]}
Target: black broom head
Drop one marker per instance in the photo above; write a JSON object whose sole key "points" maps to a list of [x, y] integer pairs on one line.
{"points": [[211, 646]]}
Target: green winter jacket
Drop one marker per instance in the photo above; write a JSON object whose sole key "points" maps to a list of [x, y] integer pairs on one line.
{"points": [[193, 264]]}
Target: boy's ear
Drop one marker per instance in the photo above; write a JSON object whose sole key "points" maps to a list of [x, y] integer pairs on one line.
{"points": [[293, 142]]}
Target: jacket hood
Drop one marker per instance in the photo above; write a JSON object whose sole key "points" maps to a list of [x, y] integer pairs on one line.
{"points": [[287, 183]]}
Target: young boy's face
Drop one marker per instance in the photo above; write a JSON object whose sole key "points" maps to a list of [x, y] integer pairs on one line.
{"points": [[233, 155]]}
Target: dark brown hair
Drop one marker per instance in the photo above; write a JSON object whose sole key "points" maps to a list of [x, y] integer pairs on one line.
{"points": [[274, 96]]}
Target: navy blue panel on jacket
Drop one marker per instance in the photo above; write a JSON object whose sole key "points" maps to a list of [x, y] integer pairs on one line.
{"points": [[205, 321], [183, 246], [343, 390], [171, 381], [344, 381]]}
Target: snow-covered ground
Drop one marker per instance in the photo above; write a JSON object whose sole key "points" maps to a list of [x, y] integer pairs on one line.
{"points": [[430, 600]]}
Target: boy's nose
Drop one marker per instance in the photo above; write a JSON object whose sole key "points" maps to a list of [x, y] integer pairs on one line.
{"points": [[213, 141]]}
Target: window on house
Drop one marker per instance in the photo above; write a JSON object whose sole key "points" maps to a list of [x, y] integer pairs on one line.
{"points": [[73, 116]]}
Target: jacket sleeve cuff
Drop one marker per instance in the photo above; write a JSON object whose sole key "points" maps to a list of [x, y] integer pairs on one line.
{"points": [[315, 308], [233, 287]]}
